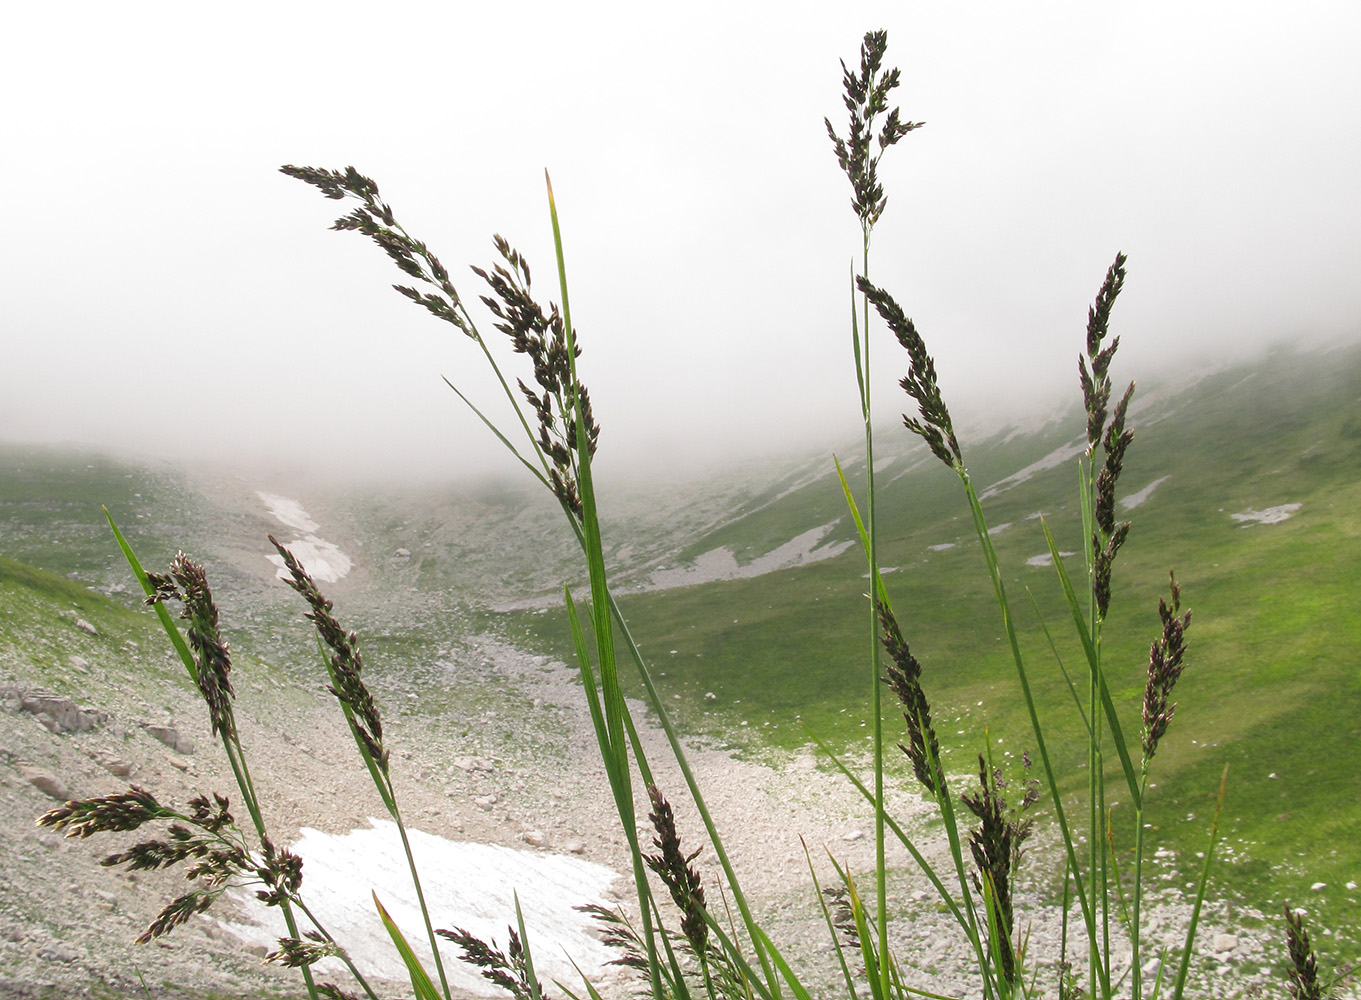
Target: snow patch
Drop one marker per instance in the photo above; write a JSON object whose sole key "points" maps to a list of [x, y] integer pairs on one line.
{"points": [[470, 886], [1051, 461], [943, 546], [1135, 499], [1272, 515], [721, 563], [1046, 558], [288, 512], [323, 560]]}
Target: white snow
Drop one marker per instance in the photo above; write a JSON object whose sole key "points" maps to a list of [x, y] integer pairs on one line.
{"points": [[288, 512], [1046, 558], [469, 886], [1271, 515], [1135, 499], [1051, 461], [322, 559], [722, 564]]}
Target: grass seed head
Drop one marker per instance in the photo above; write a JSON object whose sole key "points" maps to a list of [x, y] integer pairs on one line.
{"points": [[904, 677], [295, 954], [677, 874], [996, 849], [188, 582], [1303, 975], [346, 663], [508, 971], [108, 813], [865, 95], [1164, 669], [935, 426]]}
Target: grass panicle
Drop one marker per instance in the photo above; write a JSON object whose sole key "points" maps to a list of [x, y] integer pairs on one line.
{"points": [[188, 583], [935, 426], [115, 813], [1165, 665], [346, 662], [294, 954], [676, 872], [904, 677], [996, 849], [865, 95], [506, 969]]}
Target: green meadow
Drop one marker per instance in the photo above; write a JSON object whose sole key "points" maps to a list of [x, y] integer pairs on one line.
{"points": [[1273, 683]]}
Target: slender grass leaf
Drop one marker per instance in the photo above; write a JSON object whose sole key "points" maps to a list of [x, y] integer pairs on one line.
{"points": [[420, 980]]}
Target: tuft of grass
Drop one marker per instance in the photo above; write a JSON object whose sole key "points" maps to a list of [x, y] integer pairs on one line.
{"points": [[1076, 702]]}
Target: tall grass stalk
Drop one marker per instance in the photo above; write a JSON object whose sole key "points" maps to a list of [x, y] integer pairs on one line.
{"points": [[865, 96]]}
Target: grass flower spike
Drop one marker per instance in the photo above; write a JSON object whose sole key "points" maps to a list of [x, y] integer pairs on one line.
{"points": [[188, 583], [1164, 669]]}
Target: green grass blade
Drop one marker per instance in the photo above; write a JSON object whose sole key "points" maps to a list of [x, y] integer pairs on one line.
{"points": [[855, 349], [1094, 661], [420, 980], [1180, 983], [994, 571], [497, 431], [862, 931], [1067, 678], [524, 944], [172, 630], [827, 918], [795, 986]]}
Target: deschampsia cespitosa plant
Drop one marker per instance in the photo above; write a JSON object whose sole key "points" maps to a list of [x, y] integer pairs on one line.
{"points": [[674, 937]]}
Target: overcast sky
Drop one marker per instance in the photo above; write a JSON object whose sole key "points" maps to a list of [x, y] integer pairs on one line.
{"points": [[163, 288]]}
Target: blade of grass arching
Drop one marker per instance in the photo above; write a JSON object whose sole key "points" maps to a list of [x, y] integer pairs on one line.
{"points": [[1158, 979], [1094, 661], [655, 702], [163, 616], [1067, 678], [862, 932], [827, 918], [1180, 983], [497, 431], [384, 790], [420, 979], [620, 789], [879, 587], [524, 945], [903, 838], [795, 986], [999, 588], [677, 987], [591, 992]]}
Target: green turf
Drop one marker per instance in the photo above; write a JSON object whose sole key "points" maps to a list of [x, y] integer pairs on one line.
{"points": [[1273, 682]]}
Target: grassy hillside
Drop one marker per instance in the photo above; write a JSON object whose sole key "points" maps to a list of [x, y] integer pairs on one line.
{"points": [[1273, 686]]}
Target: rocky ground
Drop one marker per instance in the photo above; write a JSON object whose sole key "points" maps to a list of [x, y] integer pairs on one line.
{"points": [[524, 773]]}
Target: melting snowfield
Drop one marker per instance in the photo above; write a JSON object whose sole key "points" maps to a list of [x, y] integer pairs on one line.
{"points": [[722, 564], [1272, 515], [322, 559], [475, 885], [1135, 499]]}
